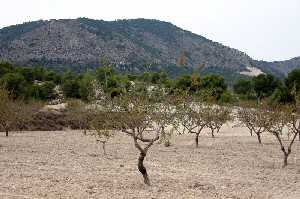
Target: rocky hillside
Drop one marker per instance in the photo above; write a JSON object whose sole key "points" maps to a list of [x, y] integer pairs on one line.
{"points": [[131, 45], [278, 68]]}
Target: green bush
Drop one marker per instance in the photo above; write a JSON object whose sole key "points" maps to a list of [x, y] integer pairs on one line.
{"points": [[227, 98], [281, 95], [15, 83]]}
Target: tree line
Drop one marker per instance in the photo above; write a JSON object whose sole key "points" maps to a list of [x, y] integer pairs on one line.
{"points": [[42, 84]]}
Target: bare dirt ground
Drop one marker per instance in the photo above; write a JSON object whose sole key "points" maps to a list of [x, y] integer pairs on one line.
{"points": [[71, 165]]}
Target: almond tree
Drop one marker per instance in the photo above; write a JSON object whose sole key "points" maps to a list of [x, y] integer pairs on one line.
{"points": [[253, 119], [133, 116], [217, 117], [194, 116], [276, 120], [185, 108], [164, 116], [245, 119], [103, 129], [199, 117], [296, 96]]}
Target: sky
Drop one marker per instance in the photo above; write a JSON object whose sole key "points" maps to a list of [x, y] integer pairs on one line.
{"points": [[264, 29]]}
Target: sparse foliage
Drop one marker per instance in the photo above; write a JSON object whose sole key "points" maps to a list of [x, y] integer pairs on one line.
{"points": [[81, 113], [283, 123], [133, 115], [164, 115], [218, 116], [194, 117], [253, 119], [103, 130]]}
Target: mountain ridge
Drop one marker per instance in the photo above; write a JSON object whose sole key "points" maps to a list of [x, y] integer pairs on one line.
{"points": [[133, 45]]}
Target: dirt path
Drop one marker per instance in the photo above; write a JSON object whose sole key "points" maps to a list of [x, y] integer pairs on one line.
{"points": [[70, 165]]}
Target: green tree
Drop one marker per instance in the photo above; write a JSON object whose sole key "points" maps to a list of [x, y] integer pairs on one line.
{"points": [[86, 87], [215, 84], [5, 67], [103, 73], [70, 88], [227, 98], [112, 82], [27, 73], [43, 91], [158, 77], [183, 82], [243, 87], [52, 76], [15, 83], [145, 77], [39, 73], [264, 85], [292, 81], [281, 95]]}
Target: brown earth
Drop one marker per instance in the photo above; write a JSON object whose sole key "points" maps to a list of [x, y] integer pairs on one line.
{"points": [[70, 165]]}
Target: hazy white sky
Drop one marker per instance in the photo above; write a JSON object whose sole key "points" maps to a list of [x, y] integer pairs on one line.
{"points": [[264, 29]]}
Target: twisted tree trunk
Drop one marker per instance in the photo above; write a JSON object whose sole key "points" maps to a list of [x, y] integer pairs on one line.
{"points": [[258, 137], [212, 134], [287, 152], [104, 149], [6, 127], [285, 156], [143, 151], [142, 168], [285, 160], [197, 140]]}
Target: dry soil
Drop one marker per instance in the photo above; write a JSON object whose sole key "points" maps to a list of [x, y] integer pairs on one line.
{"points": [[70, 165]]}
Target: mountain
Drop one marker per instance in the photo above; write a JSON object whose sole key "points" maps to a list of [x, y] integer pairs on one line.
{"points": [[278, 68], [129, 45]]}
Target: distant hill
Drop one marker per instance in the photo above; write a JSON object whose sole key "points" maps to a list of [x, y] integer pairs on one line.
{"points": [[135, 45]]}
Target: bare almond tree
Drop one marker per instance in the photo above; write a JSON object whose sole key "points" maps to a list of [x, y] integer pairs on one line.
{"points": [[133, 115], [217, 117], [253, 119], [277, 120], [189, 117], [164, 117], [244, 116], [196, 115], [183, 109], [103, 129], [199, 118]]}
